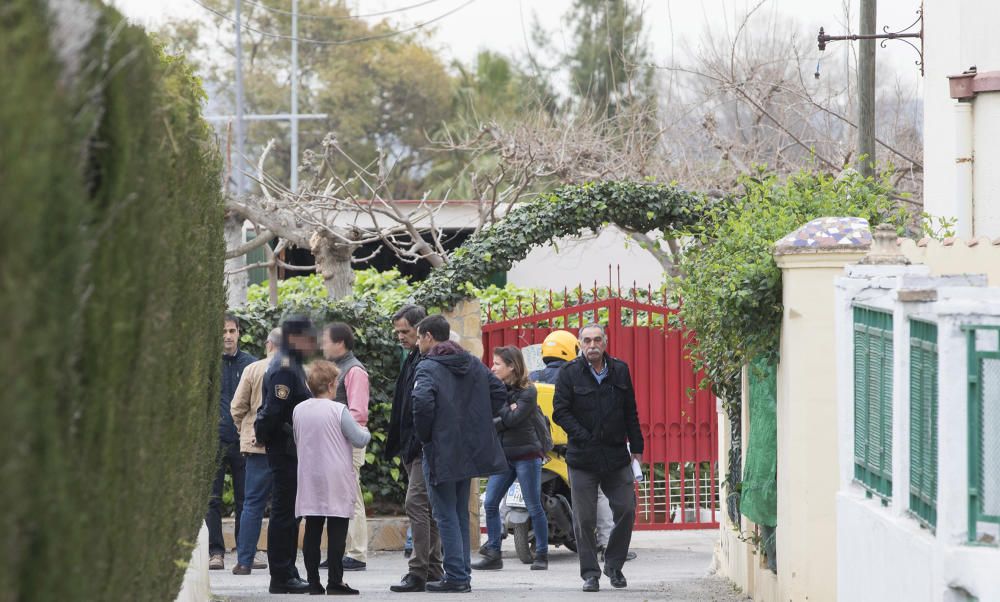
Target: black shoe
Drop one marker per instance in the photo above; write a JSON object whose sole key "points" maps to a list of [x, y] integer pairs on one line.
{"points": [[491, 561], [351, 564], [591, 584], [630, 556], [316, 589], [241, 569], [448, 587], [326, 564], [541, 562], [291, 586], [616, 577], [341, 589], [407, 552], [409, 583]]}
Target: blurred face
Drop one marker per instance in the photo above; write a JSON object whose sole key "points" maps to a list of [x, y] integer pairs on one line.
{"points": [[332, 350], [425, 342], [406, 333], [502, 369], [230, 337], [303, 343], [593, 343]]}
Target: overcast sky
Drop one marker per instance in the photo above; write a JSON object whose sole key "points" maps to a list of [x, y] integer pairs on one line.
{"points": [[673, 25]]}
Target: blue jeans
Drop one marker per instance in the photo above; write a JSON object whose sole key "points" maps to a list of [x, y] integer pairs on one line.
{"points": [[450, 506], [258, 488], [529, 474]]}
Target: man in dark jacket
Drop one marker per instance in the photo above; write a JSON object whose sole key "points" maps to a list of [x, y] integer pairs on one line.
{"points": [[234, 361], [284, 387], [595, 404], [425, 564], [454, 400]]}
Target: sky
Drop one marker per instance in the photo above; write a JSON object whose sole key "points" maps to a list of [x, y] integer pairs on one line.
{"points": [[674, 25]]}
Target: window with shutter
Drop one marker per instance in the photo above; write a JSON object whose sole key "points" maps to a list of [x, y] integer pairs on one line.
{"points": [[873, 400]]}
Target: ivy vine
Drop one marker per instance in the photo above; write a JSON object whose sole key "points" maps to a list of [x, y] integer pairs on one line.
{"points": [[568, 211]]}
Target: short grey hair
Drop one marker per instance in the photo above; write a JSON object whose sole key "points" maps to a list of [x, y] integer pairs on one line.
{"points": [[274, 337], [604, 333]]}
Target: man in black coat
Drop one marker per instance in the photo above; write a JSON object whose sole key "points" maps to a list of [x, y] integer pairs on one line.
{"points": [[595, 404], [284, 387], [454, 400], [425, 564], [234, 360]]}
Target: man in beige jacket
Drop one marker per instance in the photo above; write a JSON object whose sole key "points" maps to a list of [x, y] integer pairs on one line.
{"points": [[246, 402]]}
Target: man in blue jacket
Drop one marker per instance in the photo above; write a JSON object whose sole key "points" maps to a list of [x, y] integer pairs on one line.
{"points": [[454, 400], [234, 361]]}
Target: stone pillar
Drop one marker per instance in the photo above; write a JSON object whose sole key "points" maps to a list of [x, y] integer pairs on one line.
{"points": [[195, 587], [810, 259], [467, 330]]}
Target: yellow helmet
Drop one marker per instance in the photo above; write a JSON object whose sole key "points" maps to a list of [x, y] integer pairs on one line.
{"points": [[560, 344]]}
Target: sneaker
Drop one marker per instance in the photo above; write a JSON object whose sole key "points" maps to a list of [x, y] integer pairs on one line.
{"points": [[351, 564], [325, 564], [259, 560], [216, 562]]}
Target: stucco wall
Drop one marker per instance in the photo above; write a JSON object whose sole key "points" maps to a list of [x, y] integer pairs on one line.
{"points": [[957, 256]]}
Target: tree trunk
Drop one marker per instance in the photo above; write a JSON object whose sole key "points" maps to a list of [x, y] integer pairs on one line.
{"points": [[333, 262], [236, 284]]}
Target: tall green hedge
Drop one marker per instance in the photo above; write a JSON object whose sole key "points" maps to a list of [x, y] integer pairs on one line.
{"points": [[111, 297]]}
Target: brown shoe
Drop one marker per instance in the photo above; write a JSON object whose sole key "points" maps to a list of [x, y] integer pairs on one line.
{"points": [[241, 569], [216, 562]]}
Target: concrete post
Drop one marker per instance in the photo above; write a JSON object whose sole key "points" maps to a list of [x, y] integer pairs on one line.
{"points": [[810, 259], [467, 330]]}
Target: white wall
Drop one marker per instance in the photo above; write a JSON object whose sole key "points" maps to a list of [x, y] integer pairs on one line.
{"points": [[957, 35], [882, 551]]}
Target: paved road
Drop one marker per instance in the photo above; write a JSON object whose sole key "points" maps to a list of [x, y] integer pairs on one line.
{"points": [[672, 565]]}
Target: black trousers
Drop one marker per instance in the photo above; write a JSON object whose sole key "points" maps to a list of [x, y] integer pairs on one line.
{"points": [[282, 527], [619, 487], [229, 456], [336, 541]]}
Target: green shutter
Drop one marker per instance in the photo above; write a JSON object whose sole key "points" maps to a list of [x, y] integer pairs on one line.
{"points": [[923, 421], [873, 354]]}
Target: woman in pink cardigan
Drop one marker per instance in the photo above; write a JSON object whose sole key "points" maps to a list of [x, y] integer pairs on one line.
{"points": [[325, 432]]}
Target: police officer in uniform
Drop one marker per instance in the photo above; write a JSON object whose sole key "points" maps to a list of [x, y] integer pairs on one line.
{"points": [[284, 387]]}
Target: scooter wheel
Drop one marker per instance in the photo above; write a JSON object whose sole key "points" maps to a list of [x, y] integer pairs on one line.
{"points": [[522, 542]]}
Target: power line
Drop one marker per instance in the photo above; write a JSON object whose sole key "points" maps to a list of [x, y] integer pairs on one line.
{"points": [[337, 17], [333, 42]]}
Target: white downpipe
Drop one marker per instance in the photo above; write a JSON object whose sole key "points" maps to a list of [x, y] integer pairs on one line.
{"points": [[964, 165]]}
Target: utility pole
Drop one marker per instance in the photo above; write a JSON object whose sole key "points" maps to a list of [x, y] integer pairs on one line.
{"points": [[866, 90], [295, 98], [238, 163]]}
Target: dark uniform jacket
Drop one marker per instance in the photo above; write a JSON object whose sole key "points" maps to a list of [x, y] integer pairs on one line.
{"points": [[455, 398], [401, 440], [517, 427], [598, 418], [232, 370], [549, 373], [284, 387]]}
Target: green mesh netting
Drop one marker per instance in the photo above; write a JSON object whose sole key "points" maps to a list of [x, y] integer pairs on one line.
{"points": [[759, 494]]}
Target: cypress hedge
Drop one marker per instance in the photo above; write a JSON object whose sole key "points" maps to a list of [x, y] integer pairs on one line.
{"points": [[111, 295]]}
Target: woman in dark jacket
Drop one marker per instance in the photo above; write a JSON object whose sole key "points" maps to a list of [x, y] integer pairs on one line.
{"points": [[515, 425]]}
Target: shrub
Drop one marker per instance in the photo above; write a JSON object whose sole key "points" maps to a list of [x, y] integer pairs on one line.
{"points": [[110, 288]]}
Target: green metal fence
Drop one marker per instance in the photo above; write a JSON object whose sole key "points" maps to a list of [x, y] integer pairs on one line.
{"points": [[984, 434], [873, 400], [923, 421]]}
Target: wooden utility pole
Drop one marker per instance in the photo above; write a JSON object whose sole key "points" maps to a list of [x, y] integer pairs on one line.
{"points": [[866, 90]]}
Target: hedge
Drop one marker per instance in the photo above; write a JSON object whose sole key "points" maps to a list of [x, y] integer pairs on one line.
{"points": [[110, 288], [375, 346]]}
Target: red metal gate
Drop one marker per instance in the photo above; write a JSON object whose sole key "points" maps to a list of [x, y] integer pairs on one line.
{"points": [[678, 418]]}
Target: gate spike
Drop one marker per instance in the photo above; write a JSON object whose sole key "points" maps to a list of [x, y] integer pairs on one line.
{"points": [[619, 280], [519, 306], [504, 309]]}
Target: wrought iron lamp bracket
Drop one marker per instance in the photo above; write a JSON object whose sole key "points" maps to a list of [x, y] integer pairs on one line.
{"points": [[904, 35]]}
